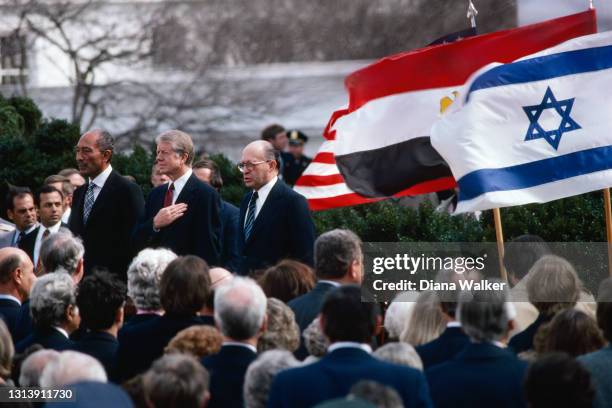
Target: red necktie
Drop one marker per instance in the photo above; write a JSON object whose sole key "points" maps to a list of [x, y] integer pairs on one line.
{"points": [[169, 195]]}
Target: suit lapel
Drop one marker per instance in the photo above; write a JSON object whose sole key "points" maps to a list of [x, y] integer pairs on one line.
{"points": [[268, 208], [189, 186], [103, 199]]}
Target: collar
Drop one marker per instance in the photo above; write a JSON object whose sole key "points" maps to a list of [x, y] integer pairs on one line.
{"points": [[453, 324], [499, 344], [52, 229], [10, 297], [32, 228], [64, 332], [349, 344], [266, 188], [236, 343], [180, 182], [145, 311], [101, 178], [330, 282]]}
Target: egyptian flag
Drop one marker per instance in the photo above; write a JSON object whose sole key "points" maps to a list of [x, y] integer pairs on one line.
{"points": [[379, 147]]}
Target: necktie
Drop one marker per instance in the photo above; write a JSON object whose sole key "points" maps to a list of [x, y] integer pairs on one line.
{"points": [[89, 202], [39, 266], [250, 218], [169, 195], [20, 236]]}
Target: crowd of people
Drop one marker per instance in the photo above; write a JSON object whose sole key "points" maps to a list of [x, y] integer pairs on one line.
{"points": [[183, 300]]}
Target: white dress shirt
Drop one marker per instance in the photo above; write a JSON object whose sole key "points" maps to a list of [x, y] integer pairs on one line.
{"points": [[262, 195], [349, 344], [66, 215], [10, 297], [16, 233], [100, 180], [179, 184], [37, 244], [245, 345]]}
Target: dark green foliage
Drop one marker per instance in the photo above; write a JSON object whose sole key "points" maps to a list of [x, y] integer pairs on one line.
{"points": [[11, 122], [233, 189], [32, 116], [138, 164]]}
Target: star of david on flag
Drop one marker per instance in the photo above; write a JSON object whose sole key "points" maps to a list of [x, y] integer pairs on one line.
{"points": [[497, 164], [563, 108]]}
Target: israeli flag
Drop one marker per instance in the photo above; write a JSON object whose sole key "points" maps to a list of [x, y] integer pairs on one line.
{"points": [[532, 131]]}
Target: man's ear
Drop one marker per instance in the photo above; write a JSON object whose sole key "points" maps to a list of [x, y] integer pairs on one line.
{"points": [[378, 327], [264, 324], [11, 215], [119, 315], [78, 273]]}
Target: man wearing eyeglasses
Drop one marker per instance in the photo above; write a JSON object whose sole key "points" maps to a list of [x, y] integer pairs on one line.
{"points": [[183, 214], [275, 220]]}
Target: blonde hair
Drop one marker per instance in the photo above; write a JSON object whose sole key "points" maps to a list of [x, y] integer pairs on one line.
{"points": [[427, 321]]}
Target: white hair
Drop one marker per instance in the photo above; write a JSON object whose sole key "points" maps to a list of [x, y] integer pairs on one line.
{"points": [[50, 297], [400, 353], [71, 367], [399, 313], [260, 374], [240, 308], [33, 366], [144, 275]]}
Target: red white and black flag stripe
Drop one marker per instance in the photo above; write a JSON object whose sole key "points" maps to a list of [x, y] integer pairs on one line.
{"points": [[378, 146]]}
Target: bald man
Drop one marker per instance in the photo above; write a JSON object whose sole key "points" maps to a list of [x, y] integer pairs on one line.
{"points": [[105, 209], [16, 279], [275, 222]]}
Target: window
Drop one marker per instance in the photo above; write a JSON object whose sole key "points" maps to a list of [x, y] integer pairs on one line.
{"points": [[13, 67]]}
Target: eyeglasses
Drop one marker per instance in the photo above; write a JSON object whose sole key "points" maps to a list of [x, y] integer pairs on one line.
{"points": [[242, 166]]}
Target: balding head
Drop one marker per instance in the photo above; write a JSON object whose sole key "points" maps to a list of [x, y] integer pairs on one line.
{"points": [[240, 309], [219, 276], [259, 164], [33, 366], [16, 273]]}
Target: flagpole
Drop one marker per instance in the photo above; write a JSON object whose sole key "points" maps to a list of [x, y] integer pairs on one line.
{"points": [[608, 216], [499, 235]]}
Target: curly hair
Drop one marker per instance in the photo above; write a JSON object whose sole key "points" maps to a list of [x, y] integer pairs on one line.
{"points": [[570, 331], [314, 340], [199, 341], [283, 332], [144, 275], [51, 296], [553, 285], [99, 296]]}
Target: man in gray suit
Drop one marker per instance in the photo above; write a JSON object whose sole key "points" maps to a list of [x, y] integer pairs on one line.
{"points": [[20, 210], [6, 226]]}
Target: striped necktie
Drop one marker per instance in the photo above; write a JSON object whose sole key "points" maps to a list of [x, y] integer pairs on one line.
{"points": [[89, 202], [250, 218]]}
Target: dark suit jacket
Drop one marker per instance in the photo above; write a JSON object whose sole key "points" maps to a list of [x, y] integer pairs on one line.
{"points": [[452, 341], [227, 369], [482, 375], [197, 232], [103, 347], [306, 308], [139, 318], [108, 232], [335, 374], [523, 341], [24, 326], [48, 338], [230, 255], [28, 242], [141, 344], [9, 312], [283, 229]]}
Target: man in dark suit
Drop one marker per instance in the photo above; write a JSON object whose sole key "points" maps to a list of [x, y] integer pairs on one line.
{"points": [[240, 314], [182, 215], [207, 171], [485, 374], [349, 324], [183, 289], [452, 340], [106, 209], [50, 204], [275, 221], [100, 299], [22, 211], [16, 280], [338, 261]]}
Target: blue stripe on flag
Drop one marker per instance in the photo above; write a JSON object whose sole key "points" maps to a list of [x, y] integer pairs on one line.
{"points": [[545, 67], [535, 173]]}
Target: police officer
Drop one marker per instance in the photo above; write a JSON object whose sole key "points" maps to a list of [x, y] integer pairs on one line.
{"points": [[298, 162]]}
